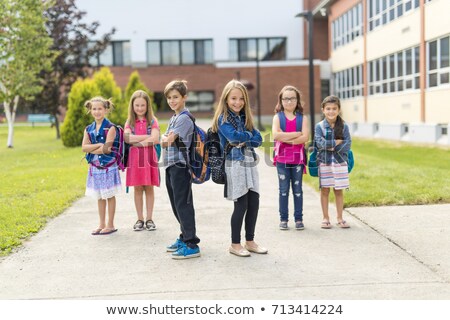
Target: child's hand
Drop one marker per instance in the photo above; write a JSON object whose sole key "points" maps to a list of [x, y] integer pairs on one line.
{"points": [[338, 141]]}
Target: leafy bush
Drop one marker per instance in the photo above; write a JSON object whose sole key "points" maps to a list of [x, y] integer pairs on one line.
{"points": [[104, 79], [77, 118]]}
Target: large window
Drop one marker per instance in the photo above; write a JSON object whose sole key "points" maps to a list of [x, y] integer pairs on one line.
{"points": [[347, 27], [348, 83], [438, 68], [179, 52], [394, 73], [117, 53], [249, 49], [384, 11]]}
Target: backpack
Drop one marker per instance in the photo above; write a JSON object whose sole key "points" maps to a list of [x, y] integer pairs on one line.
{"points": [[198, 153], [313, 165], [216, 157], [127, 146], [117, 149], [298, 124]]}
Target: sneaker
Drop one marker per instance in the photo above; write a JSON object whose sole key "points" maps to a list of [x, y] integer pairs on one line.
{"points": [[138, 226], [184, 252], [284, 225], [174, 246], [150, 225], [299, 225]]}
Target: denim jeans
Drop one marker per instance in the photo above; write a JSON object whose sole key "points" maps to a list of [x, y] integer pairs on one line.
{"points": [[290, 174]]}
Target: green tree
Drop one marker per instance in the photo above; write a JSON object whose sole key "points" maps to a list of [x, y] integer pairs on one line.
{"points": [[104, 79], [77, 117], [135, 83], [24, 52], [72, 38]]}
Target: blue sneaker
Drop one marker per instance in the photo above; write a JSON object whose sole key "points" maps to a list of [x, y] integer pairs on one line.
{"points": [[299, 225], [184, 252], [175, 246]]}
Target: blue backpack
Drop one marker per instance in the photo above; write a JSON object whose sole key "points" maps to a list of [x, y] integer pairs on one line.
{"points": [[197, 162], [117, 149]]}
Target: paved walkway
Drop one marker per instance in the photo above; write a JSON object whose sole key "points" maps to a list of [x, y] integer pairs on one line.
{"points": [[388, 253]]}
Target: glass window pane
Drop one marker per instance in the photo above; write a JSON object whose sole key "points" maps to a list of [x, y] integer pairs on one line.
{"points": [[170, 53], [118, 53], [384, 62], [445, 52], [408, 61], [187, 52], [400, 64], [263, 49], [432, 80], [126, 53], [417, 60], [277, 49], [247, 49], [208, 51], [433, 55], [392, 66], [106, 57], [444, 78], [233, 50], [153, 53]]}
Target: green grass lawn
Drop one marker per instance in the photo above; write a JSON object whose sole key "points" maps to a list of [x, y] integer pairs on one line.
{"points": [[40, 178], [394, 173]]}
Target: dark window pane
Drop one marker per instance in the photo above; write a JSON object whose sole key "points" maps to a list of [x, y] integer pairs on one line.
{"points": [[408, 84], [208, 51], [400, 64], [392, 86], [400, 85], [433, 55], [445, 52], [399, 10], [444, 78], [408, 61], [277, 49], [417, 60], [432, 80], [417, 82], [392, 66], [118, 53]]}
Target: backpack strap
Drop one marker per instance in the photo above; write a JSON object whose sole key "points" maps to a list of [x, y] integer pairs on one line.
{"points": [[298, 121]]}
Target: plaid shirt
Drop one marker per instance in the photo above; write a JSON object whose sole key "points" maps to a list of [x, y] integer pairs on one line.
{"points": [[324, 140]]}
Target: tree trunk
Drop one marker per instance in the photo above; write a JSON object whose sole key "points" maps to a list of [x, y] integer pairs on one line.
{"points": [[58, 133], [11, 117]]}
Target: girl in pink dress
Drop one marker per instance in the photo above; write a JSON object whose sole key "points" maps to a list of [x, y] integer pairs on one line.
{"points": [[142, 133]]}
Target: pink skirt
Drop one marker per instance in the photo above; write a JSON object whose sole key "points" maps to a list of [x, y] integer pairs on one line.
{"points": [[142, 167]]}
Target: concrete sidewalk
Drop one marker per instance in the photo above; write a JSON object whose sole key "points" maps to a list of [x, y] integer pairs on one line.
{"points": [[388, 253]]}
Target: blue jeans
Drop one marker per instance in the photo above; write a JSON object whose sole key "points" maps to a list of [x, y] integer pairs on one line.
{"points": [[290, 174]]}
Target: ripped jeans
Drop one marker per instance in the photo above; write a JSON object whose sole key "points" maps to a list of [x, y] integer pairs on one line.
{"points": [[290, 174]]}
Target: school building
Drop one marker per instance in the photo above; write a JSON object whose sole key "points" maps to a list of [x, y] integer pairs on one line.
{"points": [[390, 66], [388, 60], [208, 43]]}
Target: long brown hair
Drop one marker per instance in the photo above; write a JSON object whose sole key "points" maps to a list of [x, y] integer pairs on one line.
{"points": [[222, 107], [149, 116], [298, 108], [339, 125]]}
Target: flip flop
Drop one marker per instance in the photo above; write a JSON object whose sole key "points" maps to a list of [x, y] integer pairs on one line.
{"points": [[325, 225], [96, 231], [343, 224], [107, 232]]}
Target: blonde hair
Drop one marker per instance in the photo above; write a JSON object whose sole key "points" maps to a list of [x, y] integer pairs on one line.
{"points": [[222, 107], [149, 116], [107, 103], [179, 85], [298, 108]]}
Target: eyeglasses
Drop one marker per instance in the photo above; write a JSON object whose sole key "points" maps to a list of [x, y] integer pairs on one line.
{"points": [[289, 100]]}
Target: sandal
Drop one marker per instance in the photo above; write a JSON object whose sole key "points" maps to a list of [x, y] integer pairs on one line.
{"points": [[107, 231], [138, 226], [325, 224], [96, 231], [343, 224]]}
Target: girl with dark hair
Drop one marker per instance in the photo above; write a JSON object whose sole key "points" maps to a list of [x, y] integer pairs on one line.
{"points": [[333, 141]]}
